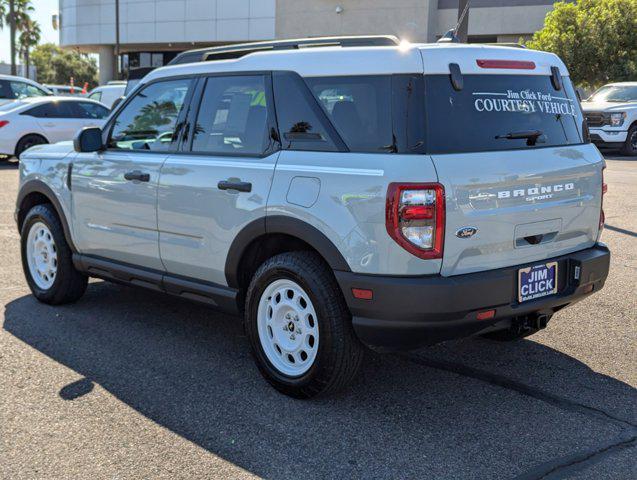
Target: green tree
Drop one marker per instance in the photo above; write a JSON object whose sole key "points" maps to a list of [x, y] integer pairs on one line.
{"points": [[58, 66], [597, 39], [22, 16]]}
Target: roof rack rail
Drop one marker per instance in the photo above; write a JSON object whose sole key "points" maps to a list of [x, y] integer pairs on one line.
{"points": [[506, 44], [228, 52]]}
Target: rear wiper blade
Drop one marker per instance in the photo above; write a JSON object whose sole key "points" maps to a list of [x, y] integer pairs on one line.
{"points": [[521, 134], [530, 135]]}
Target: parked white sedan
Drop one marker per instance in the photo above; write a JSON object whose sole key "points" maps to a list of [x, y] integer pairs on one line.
{"points": [[37, 120]]}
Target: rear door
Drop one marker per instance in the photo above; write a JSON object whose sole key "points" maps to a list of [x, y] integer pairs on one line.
{"points": [[521, 185], [221, 181], [57, 119]]}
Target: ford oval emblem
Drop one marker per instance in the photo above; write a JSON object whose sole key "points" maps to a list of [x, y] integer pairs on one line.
{"points": [[466, 232]]}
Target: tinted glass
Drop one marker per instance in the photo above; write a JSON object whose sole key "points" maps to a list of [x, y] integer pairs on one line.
{"points": [[5, 90], [52, 110], [233, 116], [299, 116], [359, 108], [90, 110], [408, 111], [491, 108], [149, 120], [95, 96]]}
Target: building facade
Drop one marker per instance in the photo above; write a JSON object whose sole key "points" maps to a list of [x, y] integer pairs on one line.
{"points": [[153, 31]]}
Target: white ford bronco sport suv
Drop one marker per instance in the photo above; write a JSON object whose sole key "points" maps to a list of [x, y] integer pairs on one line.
{"points": [[340, 196], [611, 113]]}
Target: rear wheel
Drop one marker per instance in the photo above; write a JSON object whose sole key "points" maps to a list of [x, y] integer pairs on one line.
{"points": [[630, 145], [47, 258], [27, 142], [299, 327]]}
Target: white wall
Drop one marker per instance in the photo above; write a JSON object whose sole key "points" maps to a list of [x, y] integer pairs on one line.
{"points": [[92, 22]]}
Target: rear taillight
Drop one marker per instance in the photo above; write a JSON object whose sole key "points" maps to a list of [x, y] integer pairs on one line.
{"points": [[4, 123], [602, 217], [415, 217]]}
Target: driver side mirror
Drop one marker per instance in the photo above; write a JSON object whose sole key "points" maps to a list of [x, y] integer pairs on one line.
{"points": [[88, 140]]}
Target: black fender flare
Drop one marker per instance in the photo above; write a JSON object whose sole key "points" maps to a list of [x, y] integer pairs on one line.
{"points": [[38, 186], [285, 225]]}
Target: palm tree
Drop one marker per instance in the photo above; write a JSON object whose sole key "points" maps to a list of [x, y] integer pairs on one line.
{"points": [[3, 13], [22, 15], [29, 37]]}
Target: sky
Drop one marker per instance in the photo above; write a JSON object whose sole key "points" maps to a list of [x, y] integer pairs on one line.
{"points": [[43, 11]]}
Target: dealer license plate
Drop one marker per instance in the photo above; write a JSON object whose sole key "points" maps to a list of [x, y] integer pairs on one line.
{"points": [[537, 281]]}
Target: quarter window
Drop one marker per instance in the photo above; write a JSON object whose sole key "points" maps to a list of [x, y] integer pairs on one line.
{"points": [[149, 120], [233, 116], [299, 116], [359, 108], [90, 110]]}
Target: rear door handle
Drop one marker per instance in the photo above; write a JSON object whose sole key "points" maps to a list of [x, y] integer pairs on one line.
{"points": [[137, 175], [235, 185]]}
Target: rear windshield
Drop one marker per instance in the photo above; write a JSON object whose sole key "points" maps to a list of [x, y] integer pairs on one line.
{"points": [[500, 112]]}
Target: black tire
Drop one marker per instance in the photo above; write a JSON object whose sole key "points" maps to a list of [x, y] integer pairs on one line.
{"points": [[69, 284], [339, 354], [630, 145], [28, 141]]}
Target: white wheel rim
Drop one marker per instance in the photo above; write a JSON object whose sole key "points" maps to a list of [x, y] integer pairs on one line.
{"points": [[288, 327], [42, 256]]}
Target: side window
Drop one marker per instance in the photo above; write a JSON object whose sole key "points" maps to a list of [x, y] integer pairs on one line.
{"points": [[23, 90], [52, 110], [5, 90], [95, 96], [89, 110], [299, 116], [359, 108], [149, 120], [233, 116]]}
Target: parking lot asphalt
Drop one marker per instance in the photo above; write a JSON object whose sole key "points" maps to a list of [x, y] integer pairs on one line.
{"points": [[128, 383]]}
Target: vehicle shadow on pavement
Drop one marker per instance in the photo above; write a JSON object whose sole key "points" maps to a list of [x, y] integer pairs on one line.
{"points": [[467, 409]]}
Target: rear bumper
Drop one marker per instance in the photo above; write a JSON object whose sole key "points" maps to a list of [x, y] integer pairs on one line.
{"points": [[410, 312]]}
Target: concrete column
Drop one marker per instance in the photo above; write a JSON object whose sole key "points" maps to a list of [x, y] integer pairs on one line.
{"points": [[106, 63]]}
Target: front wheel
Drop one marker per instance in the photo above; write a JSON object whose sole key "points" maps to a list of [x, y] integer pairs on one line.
{"points": [[299, 327], [630, 145], [47, 258]]}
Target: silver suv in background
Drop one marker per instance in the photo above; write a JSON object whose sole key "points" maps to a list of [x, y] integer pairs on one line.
{"points": [[332, 197]]}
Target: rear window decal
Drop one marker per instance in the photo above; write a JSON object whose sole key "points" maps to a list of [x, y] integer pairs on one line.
{"points": [[524, 101]]}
